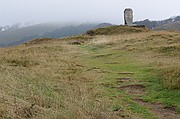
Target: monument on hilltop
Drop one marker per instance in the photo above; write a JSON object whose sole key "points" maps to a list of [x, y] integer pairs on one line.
{"points": [[128, 17]]}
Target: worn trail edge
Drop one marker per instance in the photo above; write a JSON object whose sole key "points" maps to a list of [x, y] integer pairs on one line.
{"points": [[156, 108]]}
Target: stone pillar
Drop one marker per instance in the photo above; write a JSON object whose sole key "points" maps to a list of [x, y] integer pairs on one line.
{"points": [[128, 17]]}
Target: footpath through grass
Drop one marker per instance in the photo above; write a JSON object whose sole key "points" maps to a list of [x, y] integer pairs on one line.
{"points": [[114, 65], [92, 77], [118, 65]]}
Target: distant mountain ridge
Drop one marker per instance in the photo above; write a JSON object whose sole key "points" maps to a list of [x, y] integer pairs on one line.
{"points": [[25, 34], [155, 24], [10, 36], [73, 30], [16, 35], [171, 26]]}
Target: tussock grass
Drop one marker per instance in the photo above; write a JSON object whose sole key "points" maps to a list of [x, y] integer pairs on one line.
{"points": [[157, 58], [50, 81], [55, 79], [171, 77], [159, 49], [66, 40]]}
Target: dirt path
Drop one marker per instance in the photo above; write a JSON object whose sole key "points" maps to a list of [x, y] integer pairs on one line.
{"points": [[155, 108], [159, 110]]}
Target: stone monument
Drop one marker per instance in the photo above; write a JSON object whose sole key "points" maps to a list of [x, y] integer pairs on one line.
{"points": [[128, 16]]}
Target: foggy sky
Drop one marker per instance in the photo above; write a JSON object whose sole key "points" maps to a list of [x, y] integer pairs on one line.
{"points": [[21, 11]]}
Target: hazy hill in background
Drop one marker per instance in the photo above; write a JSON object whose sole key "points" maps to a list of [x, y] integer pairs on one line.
{"points": [[69, 31], [155, 24], [16, 35], [48, 30], [25, 33]]}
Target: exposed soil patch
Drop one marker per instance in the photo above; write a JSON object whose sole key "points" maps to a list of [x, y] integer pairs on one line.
{"points": [[125, 73], [160, 111], [103, 55], [112, 63], [134, 89], [99, 70], [75, 42], [122, 80], [156, 108]]}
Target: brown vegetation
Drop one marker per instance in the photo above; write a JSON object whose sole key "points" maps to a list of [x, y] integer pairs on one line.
{"points": [[48, 78]]}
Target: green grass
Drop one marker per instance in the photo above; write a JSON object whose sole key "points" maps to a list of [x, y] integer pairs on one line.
{"points": [[123, 63], [146, 74], [141, 110], [54, 78], [156, 92]]}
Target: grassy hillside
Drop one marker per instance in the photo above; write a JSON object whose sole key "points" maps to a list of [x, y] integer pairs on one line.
{"points": [[115, 30], [131, 74], [46, 30]]}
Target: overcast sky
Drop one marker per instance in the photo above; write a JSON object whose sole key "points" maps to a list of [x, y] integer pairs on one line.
{"points": [[14, 11]]}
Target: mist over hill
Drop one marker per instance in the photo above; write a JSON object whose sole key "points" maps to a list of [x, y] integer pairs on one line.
{"points": [[17, 36], [12, 36]]}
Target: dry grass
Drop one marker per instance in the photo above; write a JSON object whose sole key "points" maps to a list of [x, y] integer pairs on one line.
{"points": [[67, 40], [171, 77], [49, 81], [159, 49], [116, 30]]}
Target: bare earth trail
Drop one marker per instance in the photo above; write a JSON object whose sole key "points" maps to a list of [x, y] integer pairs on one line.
{"points": [[118, 61], [137, 90]]}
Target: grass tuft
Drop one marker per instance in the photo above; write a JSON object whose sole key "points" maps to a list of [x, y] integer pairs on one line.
{"points": [[170, 77]]}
